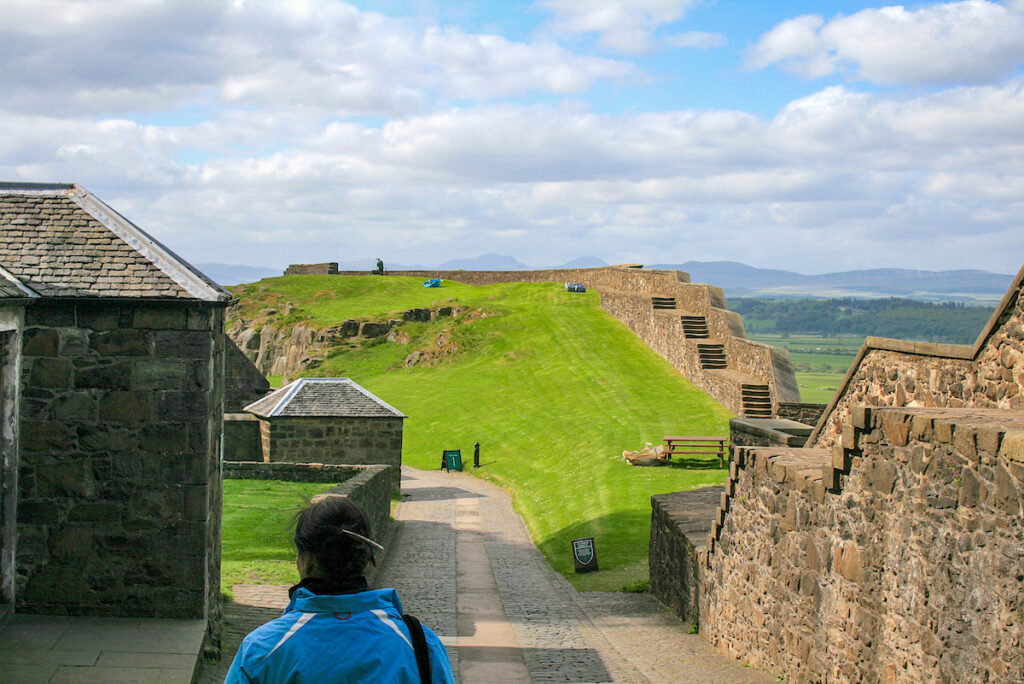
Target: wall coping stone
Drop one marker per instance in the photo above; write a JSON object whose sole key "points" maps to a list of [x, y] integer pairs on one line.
{"points": [[778, 430]]}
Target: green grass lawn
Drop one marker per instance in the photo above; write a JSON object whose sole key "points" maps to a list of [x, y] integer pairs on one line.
{"points": [[554, 390], [257, 546]]}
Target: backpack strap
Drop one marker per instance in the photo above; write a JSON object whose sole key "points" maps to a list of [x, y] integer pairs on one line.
{"points": [[419, 645]]}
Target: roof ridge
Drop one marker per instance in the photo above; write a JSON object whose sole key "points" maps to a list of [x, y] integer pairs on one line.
{"points": [[29, 292], [293, 389], [170, 264]]}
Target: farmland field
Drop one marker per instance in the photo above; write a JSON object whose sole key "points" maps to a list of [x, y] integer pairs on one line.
{"points": [[820, 362]]}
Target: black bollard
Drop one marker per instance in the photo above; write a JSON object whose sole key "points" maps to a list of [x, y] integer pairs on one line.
{"points": [[476, 455]]}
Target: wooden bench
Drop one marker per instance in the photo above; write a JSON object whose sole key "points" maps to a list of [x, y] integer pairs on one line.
{"points": [[696, 445]]}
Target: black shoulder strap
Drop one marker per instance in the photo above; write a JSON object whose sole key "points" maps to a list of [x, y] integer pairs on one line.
{"points": [[419, 645]]}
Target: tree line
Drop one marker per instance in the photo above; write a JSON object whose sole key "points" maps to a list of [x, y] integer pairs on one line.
{"points": [[947, 322]]}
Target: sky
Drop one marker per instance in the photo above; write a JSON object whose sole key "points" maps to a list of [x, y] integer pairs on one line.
{"points": [[808, 136]]}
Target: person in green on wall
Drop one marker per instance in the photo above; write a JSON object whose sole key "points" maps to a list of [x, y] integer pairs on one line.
{"points": [[380, 267]]}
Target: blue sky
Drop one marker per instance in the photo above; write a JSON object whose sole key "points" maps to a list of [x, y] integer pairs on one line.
{"points": [[807, 136]]}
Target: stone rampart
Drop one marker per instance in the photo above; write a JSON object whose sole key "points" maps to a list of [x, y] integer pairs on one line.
{"points": [[989, 374], [329, 268], [897, 555], [680, 524]]}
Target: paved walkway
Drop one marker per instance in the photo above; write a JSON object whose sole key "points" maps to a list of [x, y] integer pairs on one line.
{"points": [[462, 561], [80, 650]]}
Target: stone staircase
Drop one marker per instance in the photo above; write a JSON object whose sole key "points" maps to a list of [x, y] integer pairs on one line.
{"points": [[695, 327], [757, 400], [712, 356], [663, 302]]}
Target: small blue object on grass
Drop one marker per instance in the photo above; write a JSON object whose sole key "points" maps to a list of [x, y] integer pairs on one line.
{"points": [[575, 287], [433, 282]]}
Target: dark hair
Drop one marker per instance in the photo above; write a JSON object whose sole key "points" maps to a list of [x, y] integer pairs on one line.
{"points": [[320, 532]]}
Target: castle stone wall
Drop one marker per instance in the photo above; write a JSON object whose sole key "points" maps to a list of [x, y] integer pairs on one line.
{"points": [[989, 374], [119, 498], [347, 441], [329, 268], [895, 556]]}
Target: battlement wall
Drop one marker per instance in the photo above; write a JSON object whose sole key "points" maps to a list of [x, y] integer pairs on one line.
{"points": [[988, 374], [896, 555]]}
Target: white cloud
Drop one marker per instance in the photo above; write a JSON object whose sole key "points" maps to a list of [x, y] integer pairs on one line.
{"points": [[961, 42], [622, 25], [698, 40], [110, 58]]}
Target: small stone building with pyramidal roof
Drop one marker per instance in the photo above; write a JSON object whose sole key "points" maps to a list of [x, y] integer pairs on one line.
{"points": [[329, 420], [111, 399]]}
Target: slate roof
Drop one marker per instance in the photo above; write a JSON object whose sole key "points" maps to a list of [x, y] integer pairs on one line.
{"points": [[60, 240], [12, 288], [323, 397]]}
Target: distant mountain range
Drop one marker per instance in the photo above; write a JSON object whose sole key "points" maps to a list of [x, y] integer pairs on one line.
{"points": [[736, 279], [740, 280]]}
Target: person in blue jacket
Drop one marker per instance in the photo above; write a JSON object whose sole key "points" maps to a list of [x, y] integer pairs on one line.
{"points": [[335, 629]]}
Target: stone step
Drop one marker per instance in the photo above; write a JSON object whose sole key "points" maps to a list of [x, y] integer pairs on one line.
{"points": [[695, 327], [663, 302]]}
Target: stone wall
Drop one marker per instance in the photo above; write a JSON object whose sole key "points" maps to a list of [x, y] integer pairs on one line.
{"points": [[119, 491], [329, 268], [370, 441], [989, 374], [369, 487], [680, 524], [767, 432], [898, 555], [806, 413], [243, 382], [242, 438]]}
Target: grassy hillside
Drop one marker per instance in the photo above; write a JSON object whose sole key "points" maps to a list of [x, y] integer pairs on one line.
{"points": [[552, 388]]}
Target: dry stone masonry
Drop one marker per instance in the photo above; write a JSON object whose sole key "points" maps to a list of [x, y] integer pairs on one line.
{"points": [[988, 374], [898, 555]]}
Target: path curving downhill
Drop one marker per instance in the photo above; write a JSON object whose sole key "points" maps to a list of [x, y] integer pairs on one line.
{"points": [[462, 562]]}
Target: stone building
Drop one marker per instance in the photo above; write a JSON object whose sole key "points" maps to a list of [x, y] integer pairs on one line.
{"points": [[112, 355], [329, 420]]}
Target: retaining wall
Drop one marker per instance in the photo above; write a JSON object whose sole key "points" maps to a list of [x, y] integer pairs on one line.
{"points": [[989, 374], [897, 555], [369, 486]]}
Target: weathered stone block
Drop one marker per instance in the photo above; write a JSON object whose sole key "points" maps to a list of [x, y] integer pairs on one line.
{"points": [[37, 513], [74, 342], [128, 342], [96, 512], [72, 479], [1012, 447], [178, 406], [49, 436], [159, 374], [50, 373], [39, 342], [116, 376], [104, 438], [74, 407], [164, 437], [126, 407], [183, 344], [161, 318]]}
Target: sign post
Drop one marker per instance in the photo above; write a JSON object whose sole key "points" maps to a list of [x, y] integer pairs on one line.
{"points": [[584, 554]]}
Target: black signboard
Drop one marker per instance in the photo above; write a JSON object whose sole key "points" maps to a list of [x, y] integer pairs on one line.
{"points": [[584, 554]]}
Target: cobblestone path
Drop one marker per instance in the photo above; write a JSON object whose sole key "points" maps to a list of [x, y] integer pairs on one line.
{"points": [[462, 561]]}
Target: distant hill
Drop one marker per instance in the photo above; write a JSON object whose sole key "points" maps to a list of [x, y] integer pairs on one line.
{"points": [[740, 280], [233, 274], [583, 262], [485, 262]]}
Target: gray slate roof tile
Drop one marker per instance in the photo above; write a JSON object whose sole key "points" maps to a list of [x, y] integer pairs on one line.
{"points": [[323, 397], [51, 242]]}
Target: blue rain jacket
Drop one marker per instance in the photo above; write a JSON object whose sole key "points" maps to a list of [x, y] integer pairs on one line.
{"points": [[337, 638]]}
